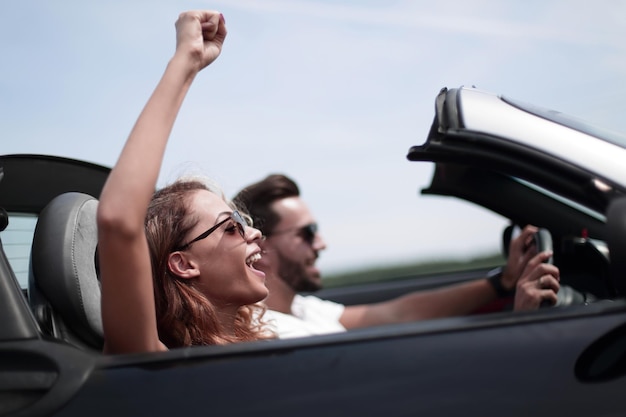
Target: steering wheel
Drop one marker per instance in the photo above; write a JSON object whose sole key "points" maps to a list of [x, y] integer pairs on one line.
{"points": [[566, 295]]}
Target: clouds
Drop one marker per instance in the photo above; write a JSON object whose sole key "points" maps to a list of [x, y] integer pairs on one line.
{"points": [[332, 93]]}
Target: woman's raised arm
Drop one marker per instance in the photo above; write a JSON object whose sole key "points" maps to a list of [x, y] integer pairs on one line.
{"points": [[128, 311]]}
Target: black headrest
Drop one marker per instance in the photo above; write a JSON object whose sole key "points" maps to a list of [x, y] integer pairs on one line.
{"points": [[64, 289]]}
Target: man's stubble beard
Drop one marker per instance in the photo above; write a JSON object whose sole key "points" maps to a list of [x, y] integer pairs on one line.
{"points": [[294, 274]]}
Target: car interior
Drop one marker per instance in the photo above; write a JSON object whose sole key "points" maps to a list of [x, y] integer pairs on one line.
{"points": [[578, 233], [64, 290]]}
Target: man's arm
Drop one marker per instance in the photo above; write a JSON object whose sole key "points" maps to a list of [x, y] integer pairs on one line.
{"points": [[444, 302], [464, 298]]}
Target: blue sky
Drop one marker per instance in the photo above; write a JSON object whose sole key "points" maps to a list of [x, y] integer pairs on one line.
{"points": [[332, 93]]}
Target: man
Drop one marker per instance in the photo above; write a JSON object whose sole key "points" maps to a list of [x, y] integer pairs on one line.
{"points": [[293, 244]]}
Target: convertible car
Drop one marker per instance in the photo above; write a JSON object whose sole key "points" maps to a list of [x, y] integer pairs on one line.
{"points": [[527, 164]]}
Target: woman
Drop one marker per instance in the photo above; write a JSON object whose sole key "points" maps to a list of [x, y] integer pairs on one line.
{"points": [[177, 267]]}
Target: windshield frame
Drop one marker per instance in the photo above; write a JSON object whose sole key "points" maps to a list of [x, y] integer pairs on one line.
{"points": [[607, 135]]}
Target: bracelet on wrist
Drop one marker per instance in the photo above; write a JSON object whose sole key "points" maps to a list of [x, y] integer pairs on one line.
{"points": [[494, 277]]}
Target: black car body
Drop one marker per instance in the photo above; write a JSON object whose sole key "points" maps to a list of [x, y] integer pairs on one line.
{"points": [[526, 164]]}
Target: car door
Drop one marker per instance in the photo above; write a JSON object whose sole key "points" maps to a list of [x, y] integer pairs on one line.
{"points": [[519, 365]]}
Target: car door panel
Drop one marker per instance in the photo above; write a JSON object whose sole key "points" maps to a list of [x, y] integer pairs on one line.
{"points": [[38, 377], [472, 370]]}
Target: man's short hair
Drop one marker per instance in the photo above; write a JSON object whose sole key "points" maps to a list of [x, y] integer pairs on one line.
{"points": [[257, 198]]}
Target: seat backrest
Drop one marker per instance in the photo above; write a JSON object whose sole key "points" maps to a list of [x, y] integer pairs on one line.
{"points": [[64, 290]]}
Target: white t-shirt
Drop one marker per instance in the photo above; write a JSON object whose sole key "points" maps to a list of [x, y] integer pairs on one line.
{"points": [[311, 316]]}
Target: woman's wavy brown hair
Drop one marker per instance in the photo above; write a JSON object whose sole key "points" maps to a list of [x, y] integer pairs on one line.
{"points": [[185, 316]]}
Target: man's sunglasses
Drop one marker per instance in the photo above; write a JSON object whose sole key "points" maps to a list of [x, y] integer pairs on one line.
{"points": [[307, 232], [240, 224]]}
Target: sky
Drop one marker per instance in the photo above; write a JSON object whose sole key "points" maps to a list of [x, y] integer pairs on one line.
{"points": [[331, 93]]}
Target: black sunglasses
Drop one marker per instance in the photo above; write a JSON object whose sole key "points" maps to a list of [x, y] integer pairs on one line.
{"points": [[240, 224], [307, 232]]}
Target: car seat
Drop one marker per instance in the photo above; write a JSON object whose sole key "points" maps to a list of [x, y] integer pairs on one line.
{"points": [[64, 290]]}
